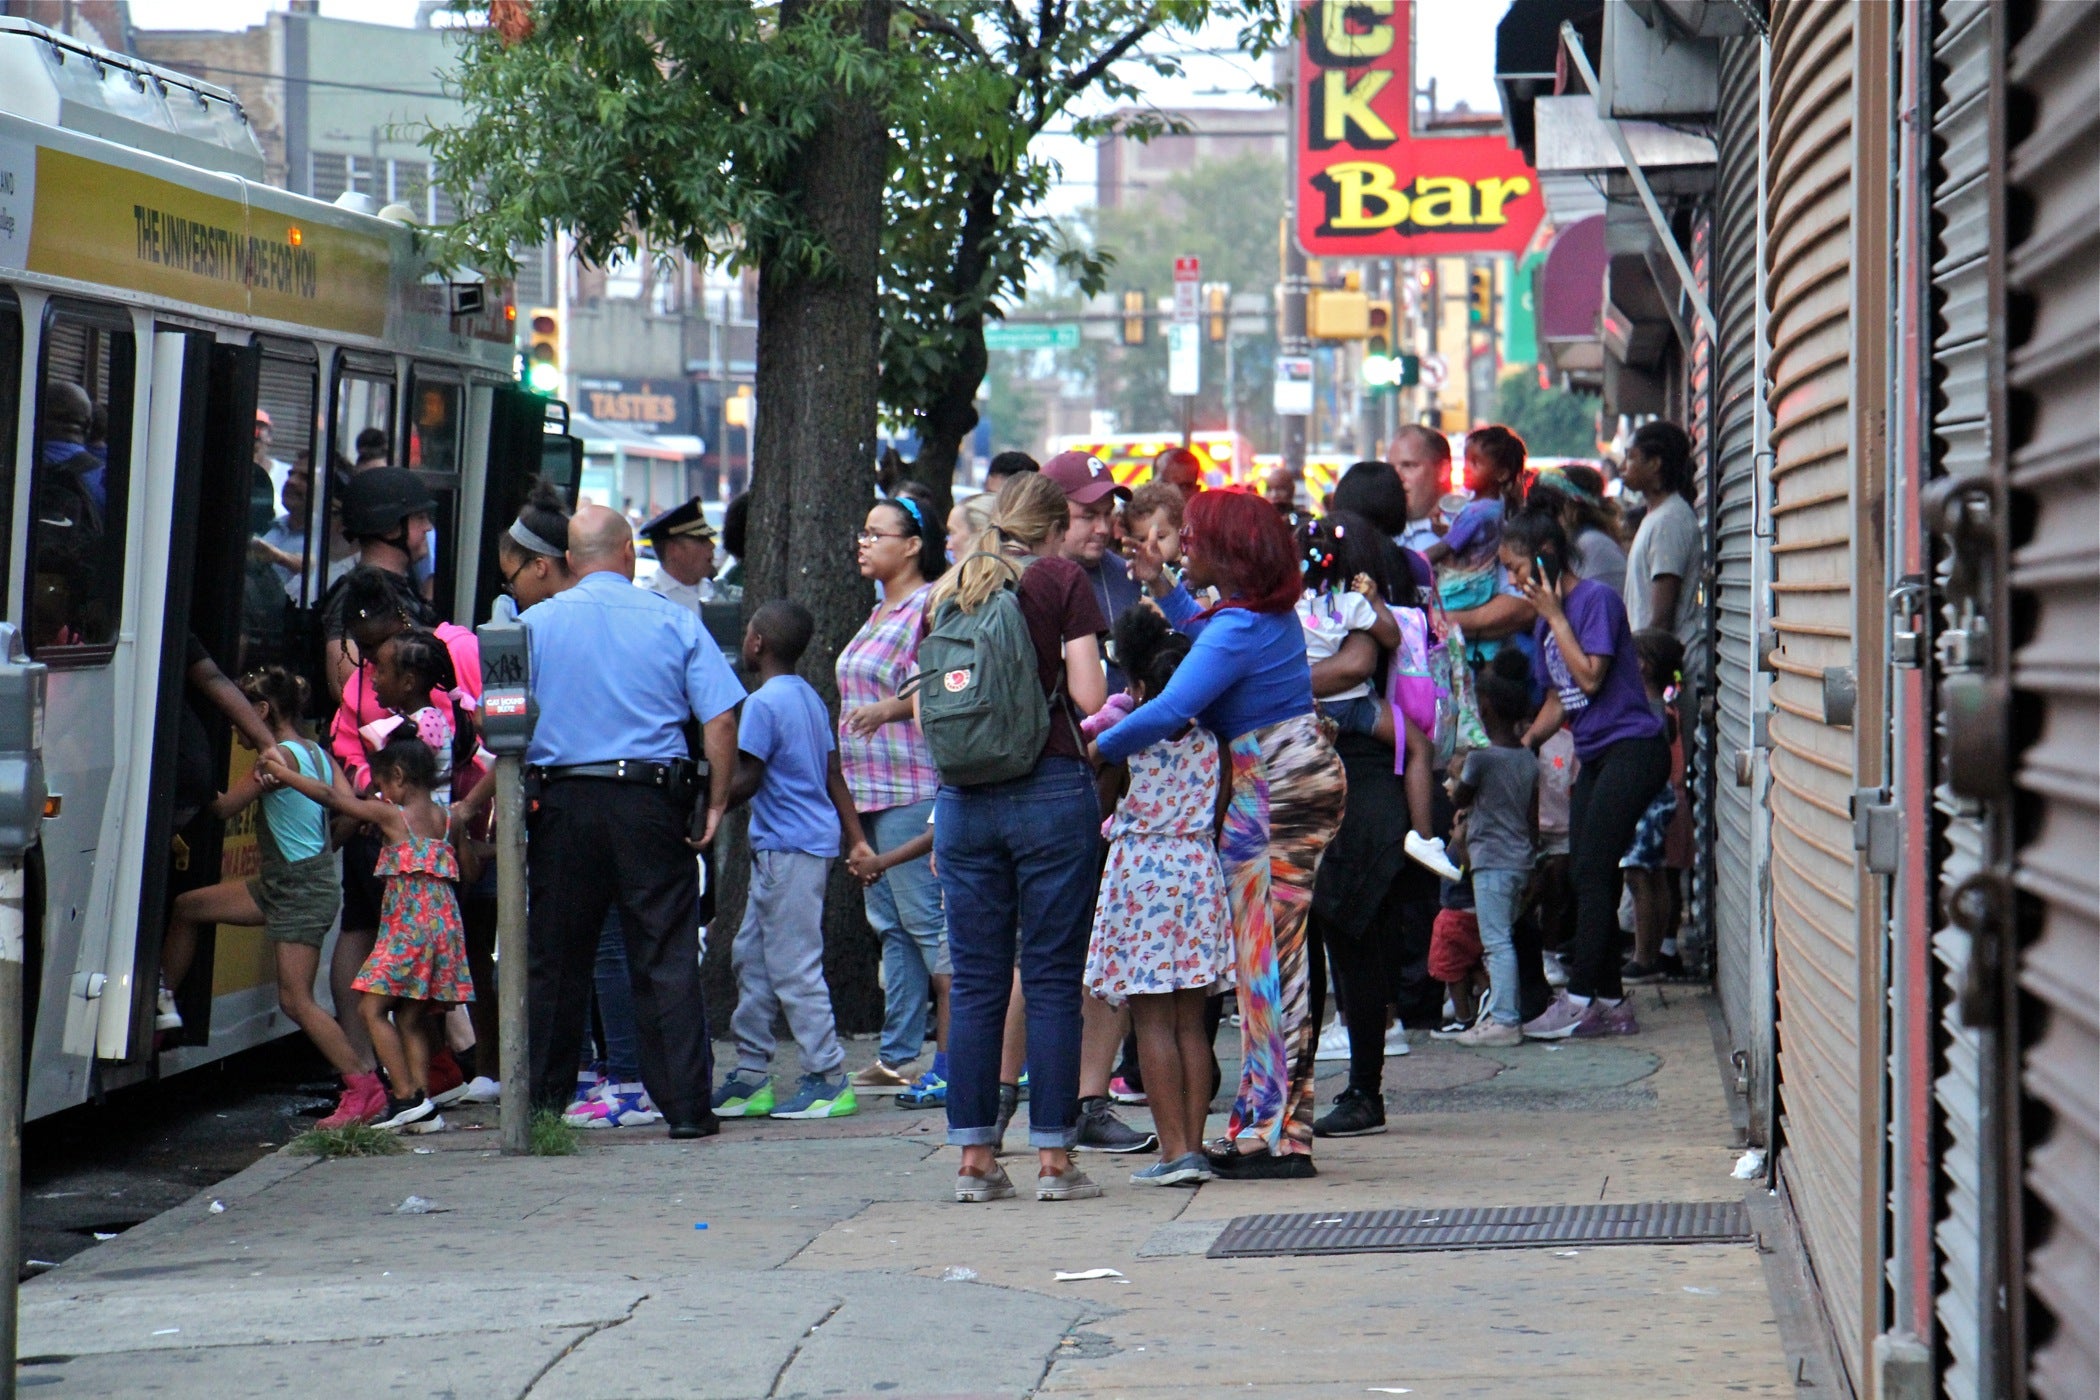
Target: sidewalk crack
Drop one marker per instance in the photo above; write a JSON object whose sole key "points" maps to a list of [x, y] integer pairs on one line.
{"points": [[532, 1383], [781, 1374]]}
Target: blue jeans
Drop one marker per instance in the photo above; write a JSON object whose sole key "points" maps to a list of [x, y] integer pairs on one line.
{"points": [[904, 909], [1018, 860], [622, 1049], [1496, 895]]}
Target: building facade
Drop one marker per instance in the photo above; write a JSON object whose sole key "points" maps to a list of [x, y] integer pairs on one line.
{"points": [[1879, 319]]}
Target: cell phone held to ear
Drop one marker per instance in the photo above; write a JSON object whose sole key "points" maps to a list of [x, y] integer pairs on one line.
{"points": [[1549, 573]]}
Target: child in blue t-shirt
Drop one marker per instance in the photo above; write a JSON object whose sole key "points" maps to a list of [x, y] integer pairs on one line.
{"points": [[788, 770]]}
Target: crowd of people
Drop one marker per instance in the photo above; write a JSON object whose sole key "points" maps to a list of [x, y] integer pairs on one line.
{"points": [[1107, 764]]}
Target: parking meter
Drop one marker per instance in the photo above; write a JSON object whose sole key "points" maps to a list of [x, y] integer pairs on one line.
{"points": [[507, 710], [22, 791]]}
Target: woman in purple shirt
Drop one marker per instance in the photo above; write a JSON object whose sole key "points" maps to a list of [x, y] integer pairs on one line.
{"points": [[1246, 680], [1592, 679]]}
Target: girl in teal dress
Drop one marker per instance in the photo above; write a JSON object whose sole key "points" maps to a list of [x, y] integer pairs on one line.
{"points": [[418, 965]]}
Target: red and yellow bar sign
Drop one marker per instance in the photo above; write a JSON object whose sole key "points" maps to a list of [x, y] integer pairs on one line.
{"points": [[1369, 185]]}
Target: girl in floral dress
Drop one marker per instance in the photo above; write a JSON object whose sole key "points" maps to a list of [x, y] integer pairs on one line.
{"points": [[1162, 928], [418, 965]]}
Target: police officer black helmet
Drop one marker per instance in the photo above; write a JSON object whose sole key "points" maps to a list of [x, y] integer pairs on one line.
{"points": [[378, 499]]}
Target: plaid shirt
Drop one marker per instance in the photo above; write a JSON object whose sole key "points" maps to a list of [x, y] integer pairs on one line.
{"points": [[892, 768]]}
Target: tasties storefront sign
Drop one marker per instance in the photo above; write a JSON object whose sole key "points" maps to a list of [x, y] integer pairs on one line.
{"points": [[1368, 184]]}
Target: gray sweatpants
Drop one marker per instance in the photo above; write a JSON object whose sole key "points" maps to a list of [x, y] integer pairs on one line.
{"points": [[779, 961]]}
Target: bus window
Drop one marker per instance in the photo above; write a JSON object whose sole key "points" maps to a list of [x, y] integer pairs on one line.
{"points": [[362, 436], [364, 420], [80, 484], [434, 424], [11, 379], [280, 500], [436, 409]]}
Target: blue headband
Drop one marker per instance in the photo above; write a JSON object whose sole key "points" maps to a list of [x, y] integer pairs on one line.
{"points": [[911, 508]]}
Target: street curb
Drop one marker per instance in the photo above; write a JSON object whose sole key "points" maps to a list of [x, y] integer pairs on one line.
{"points": [[251, 1181]]}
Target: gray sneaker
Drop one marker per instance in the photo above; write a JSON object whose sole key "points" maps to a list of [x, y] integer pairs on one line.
{"points": [[994, 1185], [1071, 1184], [1101, 1131]]}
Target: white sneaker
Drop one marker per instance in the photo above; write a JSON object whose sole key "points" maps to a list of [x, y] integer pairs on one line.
{"points": [[1556, 971], [1429, 851], [482, 1089], [1334, 1042], [166, 1017], [1396, 1039]]}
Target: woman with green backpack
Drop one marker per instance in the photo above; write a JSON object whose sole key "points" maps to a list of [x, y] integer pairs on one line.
{"points": [[1010, 663]]}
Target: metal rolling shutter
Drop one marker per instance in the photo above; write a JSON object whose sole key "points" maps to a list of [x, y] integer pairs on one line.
{"points": [[1741, 956], [1695, 943], [1822, 333], [2053, 382], [1967, 209]]}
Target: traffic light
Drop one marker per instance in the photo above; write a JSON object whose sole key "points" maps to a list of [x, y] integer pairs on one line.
{"points": [[1381, 371], [1337, 315], [543, 351], [1480, 302], [1408, 371], [1134, 317], [1214, 313]]}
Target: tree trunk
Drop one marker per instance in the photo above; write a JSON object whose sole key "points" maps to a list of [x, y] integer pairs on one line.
{"points": [[813, 460], [952, 415]]}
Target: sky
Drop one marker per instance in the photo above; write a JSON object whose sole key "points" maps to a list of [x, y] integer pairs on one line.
{"points": [[1455, 44]]}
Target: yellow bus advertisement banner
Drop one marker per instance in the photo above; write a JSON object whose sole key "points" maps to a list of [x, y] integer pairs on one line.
{"points": [[118, 228], [241, 957]]}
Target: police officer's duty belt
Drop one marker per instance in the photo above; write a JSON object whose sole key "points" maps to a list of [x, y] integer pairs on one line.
{"points": [[672, 775]]}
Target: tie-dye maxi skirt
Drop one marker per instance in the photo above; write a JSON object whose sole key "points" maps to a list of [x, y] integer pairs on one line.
{"points": [[1288, 791]]}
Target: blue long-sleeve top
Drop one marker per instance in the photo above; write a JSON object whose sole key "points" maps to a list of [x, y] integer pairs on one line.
{"points": [[1245, 671]]}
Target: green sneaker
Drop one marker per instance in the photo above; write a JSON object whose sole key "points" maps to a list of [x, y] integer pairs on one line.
{"points": [[818, 1097], [744, 1098]]}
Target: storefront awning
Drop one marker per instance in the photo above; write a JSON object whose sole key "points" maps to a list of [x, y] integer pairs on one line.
{"points": [[1569, 296]]}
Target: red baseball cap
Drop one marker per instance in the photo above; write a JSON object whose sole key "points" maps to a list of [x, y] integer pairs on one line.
{"points": [[1083, 477]]}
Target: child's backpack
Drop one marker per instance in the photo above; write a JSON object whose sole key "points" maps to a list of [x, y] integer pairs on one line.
{"points": [[981, 707]]}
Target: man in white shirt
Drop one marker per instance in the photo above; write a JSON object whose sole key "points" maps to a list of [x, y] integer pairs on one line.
{"points": [[1664, 566], [685, 555], [1422, 457]]}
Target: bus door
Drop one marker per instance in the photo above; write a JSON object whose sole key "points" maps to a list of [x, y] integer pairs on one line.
{"points": [[199, 459], [518, 457]]}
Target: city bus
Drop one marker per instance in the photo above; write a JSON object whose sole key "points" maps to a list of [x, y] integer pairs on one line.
{"points": [[230, 346]]}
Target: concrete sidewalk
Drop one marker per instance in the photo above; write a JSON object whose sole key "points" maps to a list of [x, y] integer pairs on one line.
{"points": [[832, 1263]]}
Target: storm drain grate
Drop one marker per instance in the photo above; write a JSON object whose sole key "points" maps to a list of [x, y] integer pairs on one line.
{"points": [[1482, 1227]]}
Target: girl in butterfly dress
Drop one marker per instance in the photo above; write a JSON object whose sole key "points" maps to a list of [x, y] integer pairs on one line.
{"points": [[1162, 937]]}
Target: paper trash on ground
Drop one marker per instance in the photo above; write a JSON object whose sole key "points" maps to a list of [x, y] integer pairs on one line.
{"points": [[1085, 1275], [1750, 1165]]}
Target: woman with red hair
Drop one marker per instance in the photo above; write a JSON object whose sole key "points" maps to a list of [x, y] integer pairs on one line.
{"points": [[1246, 680]]}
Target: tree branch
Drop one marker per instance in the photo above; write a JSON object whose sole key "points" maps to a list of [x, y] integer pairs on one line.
{"points": [[938, 24], [1108, 58]]}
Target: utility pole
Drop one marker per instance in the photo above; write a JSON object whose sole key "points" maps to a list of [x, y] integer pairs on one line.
{"points": [[1292, 339], [507, 715]]}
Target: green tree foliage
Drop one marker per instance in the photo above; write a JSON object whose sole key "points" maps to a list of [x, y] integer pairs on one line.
{"points": [[1552, 422], [963, 206]]}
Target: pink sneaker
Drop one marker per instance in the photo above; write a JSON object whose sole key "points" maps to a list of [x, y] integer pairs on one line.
{"points": [[1557, 1021], [1601, 1019], [364, 1097]]}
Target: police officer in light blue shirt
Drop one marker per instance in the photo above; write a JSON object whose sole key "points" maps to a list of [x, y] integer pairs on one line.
{"points": [[619, 674]]}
